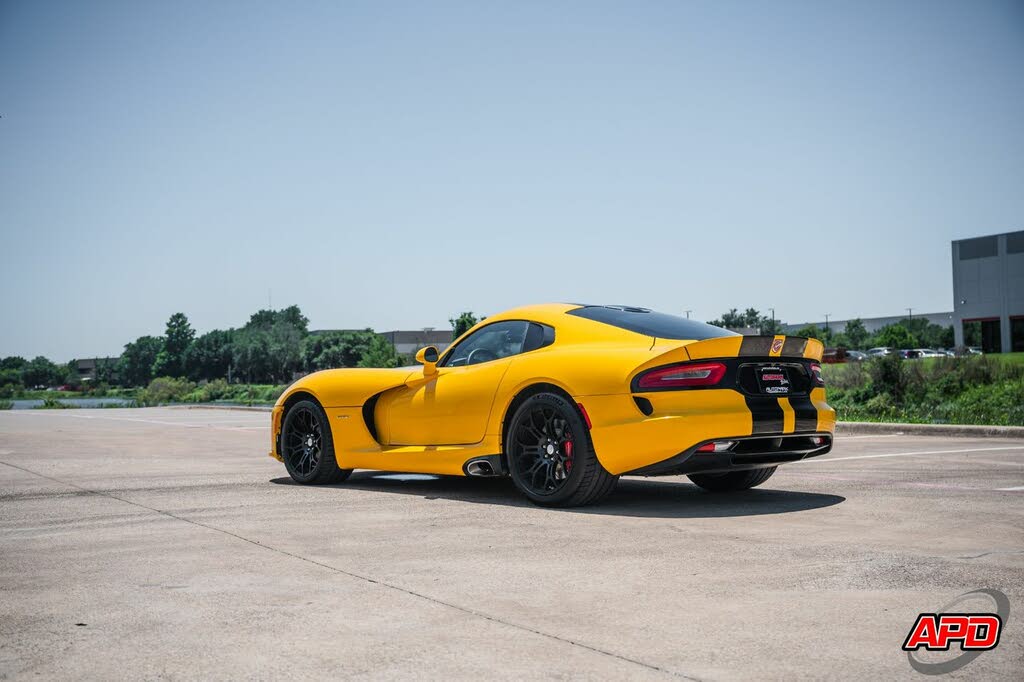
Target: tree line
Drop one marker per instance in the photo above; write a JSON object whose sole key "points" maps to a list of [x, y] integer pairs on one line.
{"points": [[272, 347], [907, 333]]}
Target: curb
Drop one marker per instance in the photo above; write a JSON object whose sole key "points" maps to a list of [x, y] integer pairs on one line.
{"points": [[963, 430], [236, 408]]}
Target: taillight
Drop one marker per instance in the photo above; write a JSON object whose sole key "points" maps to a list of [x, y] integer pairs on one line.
{"points": [[816, 374], [681, 376]]}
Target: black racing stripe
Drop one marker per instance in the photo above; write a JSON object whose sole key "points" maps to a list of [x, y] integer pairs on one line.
{"points": [[794, 346], [806, 413], [766, 412], [756, 345]]}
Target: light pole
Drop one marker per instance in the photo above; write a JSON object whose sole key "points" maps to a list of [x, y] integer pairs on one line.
{"points": [[910, 314], [687, 313], [826, 324], [773, 319]]}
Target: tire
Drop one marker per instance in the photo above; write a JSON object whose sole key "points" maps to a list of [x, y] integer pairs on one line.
{"points": [[733, 480], [550, 455], [307, 446]]}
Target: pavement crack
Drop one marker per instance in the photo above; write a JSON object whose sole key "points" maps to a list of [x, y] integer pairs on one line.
{"points": [[367, 579], [994, 551]]}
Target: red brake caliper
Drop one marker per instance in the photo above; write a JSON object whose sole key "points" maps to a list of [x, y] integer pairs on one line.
{"points": [[568, 454]]}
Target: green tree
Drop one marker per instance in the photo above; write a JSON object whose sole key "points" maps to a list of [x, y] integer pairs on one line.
{"points": [[170, 361], [770, 326], [750, 318], [72, 377], [336, 349], [462, 324], [856, 334], [136, 365], [251, 355], [41, 372], [894, 336], [379, 353], [107, 371], [927, 334], [267, 355], [13, 362], [810, 331], [730, 320], [10, 381], [209, 356], [266, 319], [840, 340]]}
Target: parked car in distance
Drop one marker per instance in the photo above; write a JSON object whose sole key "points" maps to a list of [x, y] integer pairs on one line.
{"points": [[879, 351], [974, 350], [931, 353], [910, 354], [856, 356]]}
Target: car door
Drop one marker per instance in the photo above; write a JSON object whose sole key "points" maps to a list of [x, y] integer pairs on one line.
{"points": [[452, 407]]}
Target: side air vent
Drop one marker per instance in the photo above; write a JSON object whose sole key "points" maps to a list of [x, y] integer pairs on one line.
{"points": [[644, 405]]}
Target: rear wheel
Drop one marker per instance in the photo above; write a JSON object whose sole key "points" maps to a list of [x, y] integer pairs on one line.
{"points": [[550, 455], [733, 480], [307, 447]]}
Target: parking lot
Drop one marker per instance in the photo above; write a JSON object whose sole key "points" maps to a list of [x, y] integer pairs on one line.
{"points": [[163, 542]]}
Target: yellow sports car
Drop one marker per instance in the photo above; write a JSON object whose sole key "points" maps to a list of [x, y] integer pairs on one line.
{"points": [[566, 398]]}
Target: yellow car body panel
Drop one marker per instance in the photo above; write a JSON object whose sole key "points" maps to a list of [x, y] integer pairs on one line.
{"points": [[404, 419]]}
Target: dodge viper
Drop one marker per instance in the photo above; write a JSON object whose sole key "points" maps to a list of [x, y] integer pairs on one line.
{"points": [[565, 399]]}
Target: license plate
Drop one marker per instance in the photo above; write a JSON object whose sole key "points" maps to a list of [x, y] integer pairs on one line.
{"points": [[773, 380]]}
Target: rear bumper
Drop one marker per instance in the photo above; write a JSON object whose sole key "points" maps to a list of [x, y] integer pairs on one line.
{"points": [[750, 452], [628, 439]]}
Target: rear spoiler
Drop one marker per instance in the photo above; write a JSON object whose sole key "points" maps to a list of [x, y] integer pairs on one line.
{"points": [[778, 346], [756, 346]]}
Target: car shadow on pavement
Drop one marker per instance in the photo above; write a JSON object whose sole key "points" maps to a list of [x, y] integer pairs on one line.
{"points": [[639, 497]]}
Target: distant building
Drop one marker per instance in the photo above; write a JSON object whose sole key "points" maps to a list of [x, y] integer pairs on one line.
{"points": [[873, 324], [87, 367], [988, 288]]}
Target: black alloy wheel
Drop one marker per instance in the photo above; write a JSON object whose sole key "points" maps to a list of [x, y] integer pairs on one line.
{"points": [[307, 447], [550, 456], [545, 447]]}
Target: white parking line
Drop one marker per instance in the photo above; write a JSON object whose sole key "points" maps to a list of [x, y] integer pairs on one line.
{"points": [[1017, 487], [910, 454], [190, 425]]}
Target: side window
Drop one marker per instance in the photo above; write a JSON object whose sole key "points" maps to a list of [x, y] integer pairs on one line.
{"points": [[538, 336], [495, 341]]}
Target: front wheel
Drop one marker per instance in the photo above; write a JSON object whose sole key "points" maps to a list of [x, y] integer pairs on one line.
{"points": [[733, 480], [307, 447], [550, 455]]}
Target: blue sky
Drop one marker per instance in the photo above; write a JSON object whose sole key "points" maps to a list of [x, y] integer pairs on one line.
{"points": [[391, 164]]}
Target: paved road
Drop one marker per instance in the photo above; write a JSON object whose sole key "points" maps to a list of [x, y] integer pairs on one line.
{"points": [[165, 543]]}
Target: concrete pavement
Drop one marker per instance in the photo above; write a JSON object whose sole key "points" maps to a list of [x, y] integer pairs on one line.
{"points": [[164, 543]]}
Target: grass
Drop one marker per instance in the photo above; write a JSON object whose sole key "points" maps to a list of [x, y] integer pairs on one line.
{"points": [[986, 390], [6, 405], [54, 404]]}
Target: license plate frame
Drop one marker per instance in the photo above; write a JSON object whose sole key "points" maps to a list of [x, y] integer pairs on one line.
{"points": [[773, 380]]}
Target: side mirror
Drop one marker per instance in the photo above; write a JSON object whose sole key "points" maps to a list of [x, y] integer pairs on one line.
{"points": [[428, 357]]}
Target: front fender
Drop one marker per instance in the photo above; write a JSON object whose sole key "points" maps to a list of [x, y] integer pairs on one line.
{"points": [[348, 387]]}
